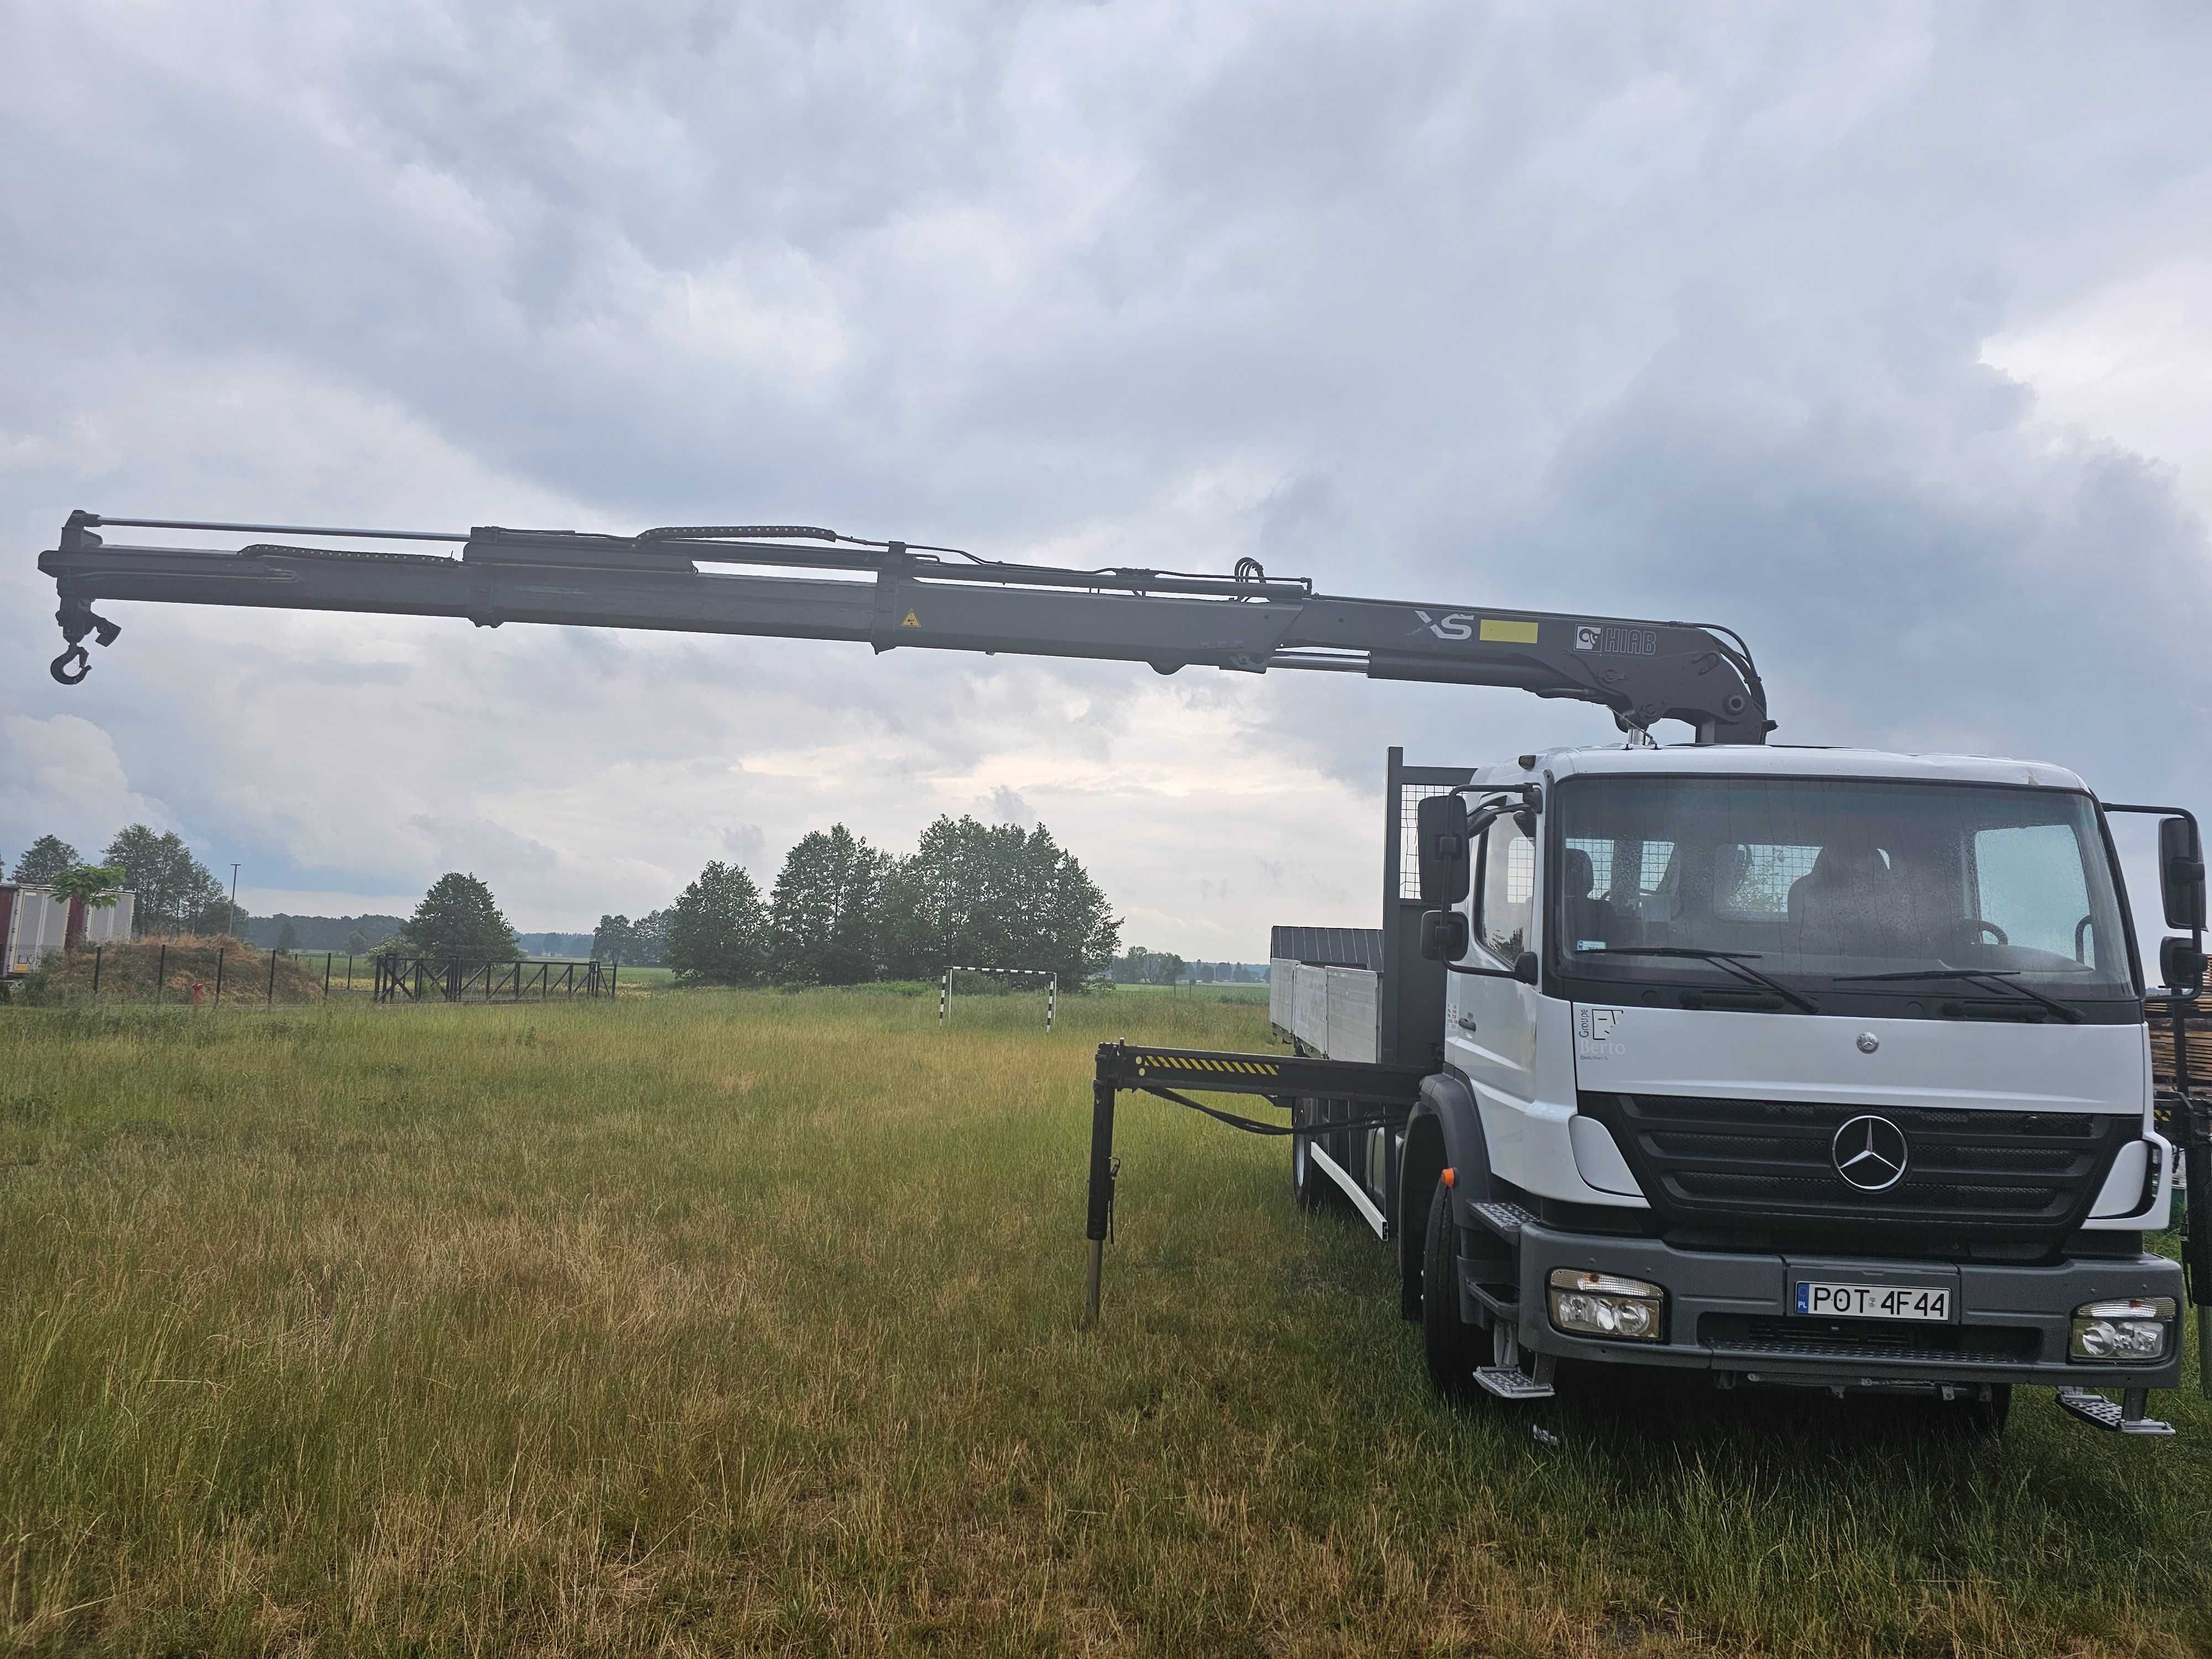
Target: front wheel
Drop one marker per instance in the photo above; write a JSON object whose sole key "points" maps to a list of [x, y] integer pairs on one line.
{"points": [[1449, 1340]]}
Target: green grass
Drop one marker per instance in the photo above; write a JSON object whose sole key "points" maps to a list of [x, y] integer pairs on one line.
{"points": [[740, 1321]]}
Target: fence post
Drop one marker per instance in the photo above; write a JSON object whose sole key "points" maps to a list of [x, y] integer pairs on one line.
{"points": [[271, 1001], [328, 957], [614, 981], [161, 973], [1051, 996], [944, 996], [218, 975], [95, 970], [348, 973]]}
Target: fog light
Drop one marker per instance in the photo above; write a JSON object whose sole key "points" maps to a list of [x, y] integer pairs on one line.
{"points": [[1588, 1303], [2127, 1331]]}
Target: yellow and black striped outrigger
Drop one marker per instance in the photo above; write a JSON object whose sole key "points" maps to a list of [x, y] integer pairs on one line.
{"points": [[1281, 1079]]}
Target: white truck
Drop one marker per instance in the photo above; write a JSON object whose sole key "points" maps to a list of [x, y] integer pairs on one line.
{"points": [[1790, 1066], [1804, 1067]]}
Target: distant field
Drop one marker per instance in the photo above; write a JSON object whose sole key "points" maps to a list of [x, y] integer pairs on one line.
{"points": [[707, 1322], [1203, 993]]}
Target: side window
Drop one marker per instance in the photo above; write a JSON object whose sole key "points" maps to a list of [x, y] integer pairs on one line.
{"points": [[1507, 899], [2031, 885]]}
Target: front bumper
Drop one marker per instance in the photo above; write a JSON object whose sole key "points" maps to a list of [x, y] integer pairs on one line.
{"points": [[1731, 1313]]}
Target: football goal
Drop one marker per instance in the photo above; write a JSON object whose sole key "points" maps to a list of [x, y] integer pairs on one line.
{"points": [[998, 978]]}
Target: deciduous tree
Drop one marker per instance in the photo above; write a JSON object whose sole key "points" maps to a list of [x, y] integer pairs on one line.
{"points": [[176, 893], [45, 858], [95, 883], [1144, 967], [716, 931], [458, 917], [984, 896], [643, 942], [825, 913]]}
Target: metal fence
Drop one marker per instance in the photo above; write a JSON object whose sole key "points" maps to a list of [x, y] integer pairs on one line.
{"points": [[458, 979], [125, 973]]}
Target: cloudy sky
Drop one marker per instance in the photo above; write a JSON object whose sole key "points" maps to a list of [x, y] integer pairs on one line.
{"points": [[1881, 333]]}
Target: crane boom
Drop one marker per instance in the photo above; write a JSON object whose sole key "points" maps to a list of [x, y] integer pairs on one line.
{"points": [[892, 594]]}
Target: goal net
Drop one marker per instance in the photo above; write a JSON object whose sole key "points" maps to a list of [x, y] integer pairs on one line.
{"points": [[996, 981]]}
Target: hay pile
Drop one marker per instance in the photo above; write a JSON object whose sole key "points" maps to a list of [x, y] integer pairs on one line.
{"points": [[127, 974]]}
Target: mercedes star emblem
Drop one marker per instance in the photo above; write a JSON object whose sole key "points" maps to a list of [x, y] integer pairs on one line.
{"points": [[1871, 1153], [1868, 1042]]}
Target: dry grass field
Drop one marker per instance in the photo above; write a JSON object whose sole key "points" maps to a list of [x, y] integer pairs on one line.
{"points": [[710, 1322]]}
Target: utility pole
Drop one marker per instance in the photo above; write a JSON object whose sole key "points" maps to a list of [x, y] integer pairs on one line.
{"points": [[233, 901]]}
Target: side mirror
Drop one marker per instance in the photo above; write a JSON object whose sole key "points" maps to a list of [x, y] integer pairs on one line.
{"points": [[1526, 968], [1443, 935], [2181, 874], [1440, 833], [2181, 966]]}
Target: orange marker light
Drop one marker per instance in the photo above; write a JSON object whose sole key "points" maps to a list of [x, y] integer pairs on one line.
{"points": [[1451, 1177]]}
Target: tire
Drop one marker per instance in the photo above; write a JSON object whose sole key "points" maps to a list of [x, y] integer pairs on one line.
{"points": [[1309, 1183], [1453, 1347]]}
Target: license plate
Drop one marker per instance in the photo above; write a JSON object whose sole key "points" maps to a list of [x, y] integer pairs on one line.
{"points": [[1872, 1301]]}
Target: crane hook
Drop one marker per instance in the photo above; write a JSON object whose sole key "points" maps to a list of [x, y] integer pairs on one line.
{"points": [[78, 619]]}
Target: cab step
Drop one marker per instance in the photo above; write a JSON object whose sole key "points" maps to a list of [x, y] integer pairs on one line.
{"points": [[1503, 1219], [1511, 1383], [2102, 1414]]}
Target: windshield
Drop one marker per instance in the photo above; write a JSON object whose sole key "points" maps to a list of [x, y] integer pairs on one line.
{"points": [[1823, 882]]}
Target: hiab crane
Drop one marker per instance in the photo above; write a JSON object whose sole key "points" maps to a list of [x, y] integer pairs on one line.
{"points": [[1813, 1067]]}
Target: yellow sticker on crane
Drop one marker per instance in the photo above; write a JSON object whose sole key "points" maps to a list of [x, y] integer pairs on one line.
{"points": [[912, 621], [1497, 628]]}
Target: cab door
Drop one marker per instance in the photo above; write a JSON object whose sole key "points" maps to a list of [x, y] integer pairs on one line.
{"points": [[1490, 1022]]}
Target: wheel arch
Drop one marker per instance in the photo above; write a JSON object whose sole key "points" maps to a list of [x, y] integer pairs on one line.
{"points": [[1444, 1131]]}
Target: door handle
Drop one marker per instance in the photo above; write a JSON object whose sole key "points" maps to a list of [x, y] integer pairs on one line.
{"points": [[1464, 1023]]}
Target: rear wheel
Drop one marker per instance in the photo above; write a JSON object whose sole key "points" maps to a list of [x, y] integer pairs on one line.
{"points": [[1309, 1182], [1452, 1344]]}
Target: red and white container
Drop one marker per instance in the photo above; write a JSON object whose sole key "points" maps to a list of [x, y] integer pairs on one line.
{"points": [[34, 922]]}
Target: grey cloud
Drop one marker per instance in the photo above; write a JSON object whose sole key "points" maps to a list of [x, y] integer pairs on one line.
{"points": [[1005, 805], [1660, 313], [744, 842]]}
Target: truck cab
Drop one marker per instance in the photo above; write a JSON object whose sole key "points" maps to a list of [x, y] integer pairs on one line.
{"points": [[1809, 1067]]}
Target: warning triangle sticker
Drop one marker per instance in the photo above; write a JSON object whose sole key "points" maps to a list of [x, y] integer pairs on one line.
{"points": [[912, 621]]}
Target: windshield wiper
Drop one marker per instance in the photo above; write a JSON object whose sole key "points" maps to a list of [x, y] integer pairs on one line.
{"points": [[2005, 979], [1729, 961]]}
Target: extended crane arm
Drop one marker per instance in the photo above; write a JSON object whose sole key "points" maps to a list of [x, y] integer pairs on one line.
{"points": [[726, 579]]}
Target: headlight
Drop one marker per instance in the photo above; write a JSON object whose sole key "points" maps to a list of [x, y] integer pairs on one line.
{"points": [[1587, 1304], [2127, 1331]]}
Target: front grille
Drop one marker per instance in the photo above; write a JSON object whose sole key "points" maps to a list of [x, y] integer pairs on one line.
{"points": [[1829, 1339], [1736, 1164]]}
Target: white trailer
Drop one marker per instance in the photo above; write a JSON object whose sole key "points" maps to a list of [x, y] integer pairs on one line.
{"points": [[35, 921]]}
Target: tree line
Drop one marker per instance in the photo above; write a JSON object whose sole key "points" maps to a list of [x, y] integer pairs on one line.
{"points": [[178, 894], [843, 912]]}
